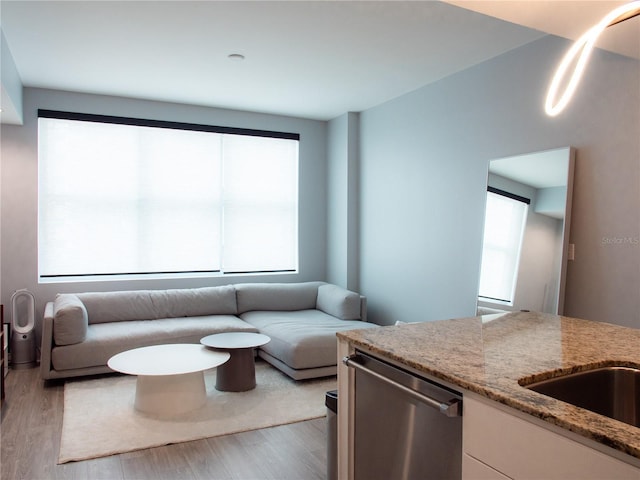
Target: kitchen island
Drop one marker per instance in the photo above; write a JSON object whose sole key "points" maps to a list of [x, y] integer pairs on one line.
{"points": [[489, 358]]}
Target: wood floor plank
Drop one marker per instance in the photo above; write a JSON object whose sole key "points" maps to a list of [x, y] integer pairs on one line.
{"points": [[238, 460], [159, 463], [205, 462], [30, 443], [309, 462]]}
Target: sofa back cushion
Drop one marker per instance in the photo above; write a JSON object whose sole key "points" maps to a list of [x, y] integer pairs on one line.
{"points": [[339, 302], [284, 297], [103, 307], [70, 319], [195, 302]]}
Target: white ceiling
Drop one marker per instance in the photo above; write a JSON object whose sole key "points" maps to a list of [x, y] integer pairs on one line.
{"points": [[312, 59], [564, 18]]}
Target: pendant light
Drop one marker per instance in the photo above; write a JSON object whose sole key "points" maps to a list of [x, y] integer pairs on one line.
{"points": [[581, 50]]}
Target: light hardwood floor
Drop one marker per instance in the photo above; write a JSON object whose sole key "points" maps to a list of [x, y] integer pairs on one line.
{"points": [[32, 422]]}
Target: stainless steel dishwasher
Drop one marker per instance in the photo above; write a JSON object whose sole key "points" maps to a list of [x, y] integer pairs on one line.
{"points": [[405, 427]]}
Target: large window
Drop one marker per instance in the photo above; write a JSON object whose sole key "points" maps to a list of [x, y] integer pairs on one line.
{"points": [[505, 220], [121, 196]]}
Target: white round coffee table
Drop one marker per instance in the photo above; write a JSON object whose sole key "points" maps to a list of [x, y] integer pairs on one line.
{"points": [[239, 373], [170, 377]]}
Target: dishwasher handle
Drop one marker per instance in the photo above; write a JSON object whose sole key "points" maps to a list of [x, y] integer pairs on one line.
{"points": [[451, 408]]}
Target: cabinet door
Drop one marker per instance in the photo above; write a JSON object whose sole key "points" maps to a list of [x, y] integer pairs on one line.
{"points": [[520, 449], [472, 469]]}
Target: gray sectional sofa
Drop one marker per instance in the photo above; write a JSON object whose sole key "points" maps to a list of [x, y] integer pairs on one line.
{"points": [[82, 331]]}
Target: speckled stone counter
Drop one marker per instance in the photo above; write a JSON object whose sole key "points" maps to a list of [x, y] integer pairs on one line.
{"points": [[490, 355]]}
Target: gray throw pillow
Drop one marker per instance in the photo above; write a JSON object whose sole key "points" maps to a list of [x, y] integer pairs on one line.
{"points": [[338, 302], [70, 319]]}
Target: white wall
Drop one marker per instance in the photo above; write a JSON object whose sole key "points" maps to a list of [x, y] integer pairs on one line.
{"points": [[19, 188], [424, 160]]}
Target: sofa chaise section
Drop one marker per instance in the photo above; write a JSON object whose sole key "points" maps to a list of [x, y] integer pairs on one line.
{"points": [[303, 333]]}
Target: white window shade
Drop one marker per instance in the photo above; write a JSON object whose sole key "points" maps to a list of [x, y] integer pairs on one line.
{"points": [[260, 204], [504, 227], [128, 199]]}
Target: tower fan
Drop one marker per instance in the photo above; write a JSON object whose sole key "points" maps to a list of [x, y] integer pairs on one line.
{"points": [[23, 338]]}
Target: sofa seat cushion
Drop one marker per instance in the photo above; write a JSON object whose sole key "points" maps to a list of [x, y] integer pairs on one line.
{"points": [[304, 338], [103, 340]]}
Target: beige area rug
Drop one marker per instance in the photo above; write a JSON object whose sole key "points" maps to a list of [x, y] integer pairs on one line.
{"points": [[99, 418]]}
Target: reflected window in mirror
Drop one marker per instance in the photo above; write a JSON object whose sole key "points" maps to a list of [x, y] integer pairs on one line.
{"points": [[505, 220], [546, 178]]}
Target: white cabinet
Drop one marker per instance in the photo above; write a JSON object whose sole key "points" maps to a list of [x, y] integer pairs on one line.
{"points": [[345, 412], [476, 470], [497, 442]]}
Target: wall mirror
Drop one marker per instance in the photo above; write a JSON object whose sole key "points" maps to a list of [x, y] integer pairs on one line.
{"points": [[526, 232]]}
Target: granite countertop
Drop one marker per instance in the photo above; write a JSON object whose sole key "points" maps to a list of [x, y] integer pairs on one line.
{"points": [[489, 355]]}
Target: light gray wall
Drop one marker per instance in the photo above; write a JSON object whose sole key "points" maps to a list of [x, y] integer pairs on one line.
{"points": [[11, 85], [538, 279], [342, 198], [19, 188], [420, 192], [551, 200], [424, 160]]}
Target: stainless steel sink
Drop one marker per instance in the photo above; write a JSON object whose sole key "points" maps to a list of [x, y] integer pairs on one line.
{"points": [[610, 391]]}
